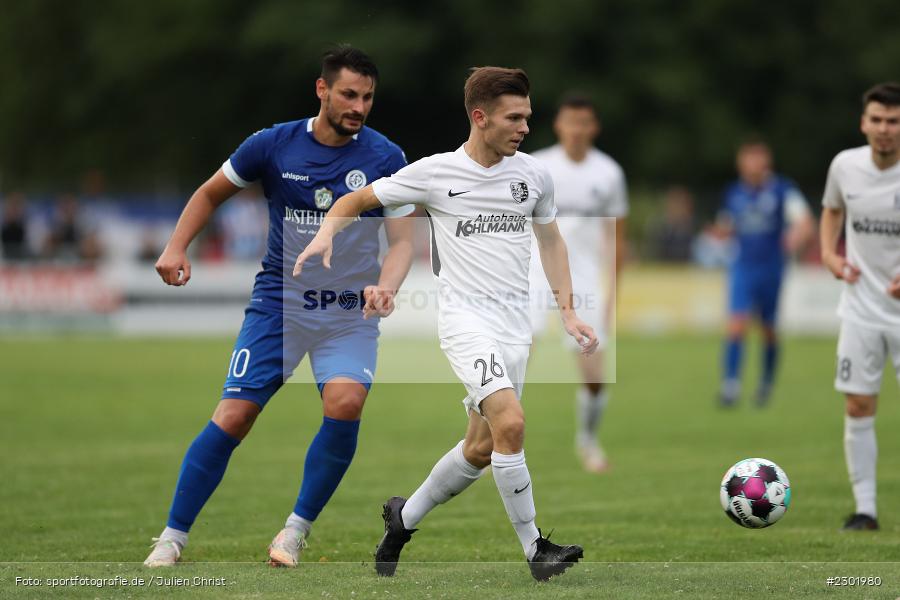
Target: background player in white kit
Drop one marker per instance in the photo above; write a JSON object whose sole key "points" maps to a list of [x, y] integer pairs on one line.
{"points": [[592, 199], [480, 201], [863, 189]]}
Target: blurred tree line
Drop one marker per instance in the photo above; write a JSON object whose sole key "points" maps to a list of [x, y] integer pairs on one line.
{"points": [[158, 94]]}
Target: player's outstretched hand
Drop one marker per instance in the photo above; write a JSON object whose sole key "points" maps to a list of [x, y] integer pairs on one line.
{"points": [[174, 267], [320, 245], [379, 301], [583, 334], [841, 268], [894, 288]]}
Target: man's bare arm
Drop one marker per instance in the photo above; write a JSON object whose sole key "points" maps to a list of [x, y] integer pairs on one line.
{"points": [[555, 261], [342, 213], [173, 265], [380, 298], [829, 236]]}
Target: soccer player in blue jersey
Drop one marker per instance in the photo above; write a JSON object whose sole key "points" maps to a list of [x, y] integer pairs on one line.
{"points": [[302, 166], [770, 219]]}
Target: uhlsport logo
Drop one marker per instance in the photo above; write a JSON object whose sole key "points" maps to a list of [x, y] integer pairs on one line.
{"points": [[323, 198], [355, 180], [519, 191], [294, 176], [491, 224]]}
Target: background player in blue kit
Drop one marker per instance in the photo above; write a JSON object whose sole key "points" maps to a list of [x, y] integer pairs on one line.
{"points": [[757, 209], [302, 166]]}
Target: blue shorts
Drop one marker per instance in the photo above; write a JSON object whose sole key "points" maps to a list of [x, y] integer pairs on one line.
{"points": [[755, 291], [271, 345]]}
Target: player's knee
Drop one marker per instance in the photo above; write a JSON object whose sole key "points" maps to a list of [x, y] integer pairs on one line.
{"points": [[344, 401], [860, 406], [235, 417], [594, 387], [737, 328], [510, 431], [478, 452]]}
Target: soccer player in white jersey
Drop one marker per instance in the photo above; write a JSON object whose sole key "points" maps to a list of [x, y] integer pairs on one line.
{"points": [[592, 201], [481, 201], [863, 191]]}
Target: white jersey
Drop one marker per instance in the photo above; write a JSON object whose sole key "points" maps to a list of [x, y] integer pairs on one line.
{"points": [[592, 188], [870, 199], [481, 233]]}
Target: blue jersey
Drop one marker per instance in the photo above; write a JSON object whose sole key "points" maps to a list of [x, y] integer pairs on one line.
{"points": [[301, 179], [758, 216]]}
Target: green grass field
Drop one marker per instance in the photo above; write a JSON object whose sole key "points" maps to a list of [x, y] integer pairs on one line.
{"points": [[92, 432]]}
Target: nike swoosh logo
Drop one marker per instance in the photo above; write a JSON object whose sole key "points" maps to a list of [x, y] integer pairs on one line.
{"points": [[452, 194], [523, 489]]}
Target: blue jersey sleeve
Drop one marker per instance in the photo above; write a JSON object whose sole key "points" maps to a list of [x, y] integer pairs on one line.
{"points": [[249, 160], [726, 214], [396, 161]]}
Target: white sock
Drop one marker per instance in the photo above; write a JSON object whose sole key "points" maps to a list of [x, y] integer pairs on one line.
{"points": [[175, 535], [514, 482], [450, 476], [730, 388], [295, 521], [861, 452], [589, 415]]}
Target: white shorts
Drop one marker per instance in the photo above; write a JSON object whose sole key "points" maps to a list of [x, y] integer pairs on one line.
{"points": [[485, 365], [861, 354]]}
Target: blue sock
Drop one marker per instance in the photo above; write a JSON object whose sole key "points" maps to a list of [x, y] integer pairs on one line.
{"points": [[327, 460], [734, 348], [202, 470], [770, 360]]}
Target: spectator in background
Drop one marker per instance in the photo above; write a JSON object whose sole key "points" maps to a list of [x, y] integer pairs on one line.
{"points": [[244, 224], [211, 244], [69, 239], [671, 237], [770, 220], [713, 247], [93, 187], [14, 228], [150, 248]]}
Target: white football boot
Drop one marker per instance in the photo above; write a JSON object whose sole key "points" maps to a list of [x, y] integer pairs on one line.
{"points": [[284, 551], [593, 459], [165, 553]]}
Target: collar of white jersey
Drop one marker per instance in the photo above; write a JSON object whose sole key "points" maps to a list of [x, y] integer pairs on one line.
{"points": [[311, 120], [504, 160]]}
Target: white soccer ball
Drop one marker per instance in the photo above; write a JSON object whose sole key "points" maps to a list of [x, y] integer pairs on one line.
{"points": [[755, 493]]}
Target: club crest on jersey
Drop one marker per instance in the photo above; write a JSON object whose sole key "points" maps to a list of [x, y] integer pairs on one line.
{"points": [[323, 197], [355, 180], [519, 191]]}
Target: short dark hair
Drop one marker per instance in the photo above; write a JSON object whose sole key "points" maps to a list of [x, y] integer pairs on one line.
{"points": [[485, 84], [887, 93], [577, 100], [344, 56], [753, 140]]}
